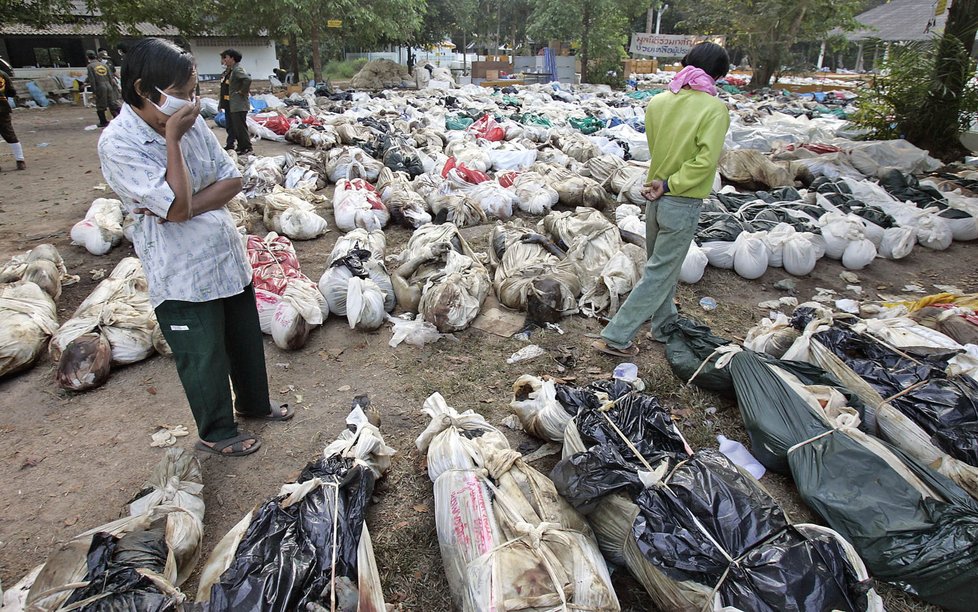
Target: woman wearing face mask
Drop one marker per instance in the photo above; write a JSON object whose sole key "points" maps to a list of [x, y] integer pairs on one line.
{"points": [[168, 169]]}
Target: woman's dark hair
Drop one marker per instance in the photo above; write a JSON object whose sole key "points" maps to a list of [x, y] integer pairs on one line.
{"points": [[233, 54], [155, 63], [709, 57]]}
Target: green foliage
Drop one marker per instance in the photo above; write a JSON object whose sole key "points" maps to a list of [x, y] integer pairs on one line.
{"points": [[911, 80], [767, 29], [344, 70], [37, 13]]}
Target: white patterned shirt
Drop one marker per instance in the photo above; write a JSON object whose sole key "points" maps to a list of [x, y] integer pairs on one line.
{"points": [[198, 260]]}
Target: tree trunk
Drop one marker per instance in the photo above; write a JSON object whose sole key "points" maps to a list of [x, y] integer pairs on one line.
{"points": [[951, 72], [294, 55], [317, 60], [585, 47]]}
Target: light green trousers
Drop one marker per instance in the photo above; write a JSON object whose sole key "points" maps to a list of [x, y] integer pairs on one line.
{"points": [[670, 224]]}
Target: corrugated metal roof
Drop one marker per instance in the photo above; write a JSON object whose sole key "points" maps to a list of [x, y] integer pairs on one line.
{"points": [[899, 20], [80, 28]]}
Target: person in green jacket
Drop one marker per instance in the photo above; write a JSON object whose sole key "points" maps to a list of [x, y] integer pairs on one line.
{"points": [[235, 101], [685, 126]]}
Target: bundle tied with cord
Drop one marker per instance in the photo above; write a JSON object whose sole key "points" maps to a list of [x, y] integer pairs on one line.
{"points": [[319, 519], [912, 526], [652, 503], [508, 541]]}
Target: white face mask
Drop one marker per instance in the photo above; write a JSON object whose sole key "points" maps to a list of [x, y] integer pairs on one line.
{"points": [[171, 104]]}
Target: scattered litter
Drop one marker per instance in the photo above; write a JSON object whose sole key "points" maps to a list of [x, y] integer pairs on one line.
{"points": [[167, 435], [791, 302], [857, 289], [91, 128], [344, 388], [526, 353], [628, 372], [416, 332], [101, 187], [555, 327], [786, 284], [850, 306], [298, 398], [41, 145], [284, 366], [549, 448], [849, 277], [913, 288], [708, 303], [512, 422], [823, 295], [949, 289]]}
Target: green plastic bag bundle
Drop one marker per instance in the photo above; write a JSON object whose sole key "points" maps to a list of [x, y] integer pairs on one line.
{"points": [[912, 526], [586, 125], [453, 122]]}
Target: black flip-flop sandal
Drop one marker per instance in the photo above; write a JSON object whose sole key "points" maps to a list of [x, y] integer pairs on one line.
{"points": [[271, 416], [236, 444], [602, 345]]}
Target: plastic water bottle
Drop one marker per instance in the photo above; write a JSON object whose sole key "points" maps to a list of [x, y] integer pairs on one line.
{"points": [[628, 372], [708, 303], [738, 453]]}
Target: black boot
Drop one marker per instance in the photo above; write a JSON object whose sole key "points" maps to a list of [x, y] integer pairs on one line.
{"points": [[102, 121]]}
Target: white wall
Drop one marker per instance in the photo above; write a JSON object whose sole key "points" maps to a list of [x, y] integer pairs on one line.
{"points": [[257, 55]]}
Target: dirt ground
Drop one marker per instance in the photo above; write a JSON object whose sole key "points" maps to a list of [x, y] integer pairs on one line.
{"points": [[69, 462]]}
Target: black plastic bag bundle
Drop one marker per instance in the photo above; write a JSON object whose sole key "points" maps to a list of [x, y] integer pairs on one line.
{"points": [[703, 526], [912, 526], [721, 227], [286, 558], [946, 408], [688, 345], [114, 585]]}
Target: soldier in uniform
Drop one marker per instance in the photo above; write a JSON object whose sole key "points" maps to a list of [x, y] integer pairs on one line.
{"points": [[235, 100], [104, 87], [7, 91]]}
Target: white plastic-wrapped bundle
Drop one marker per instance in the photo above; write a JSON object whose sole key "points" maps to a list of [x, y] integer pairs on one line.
{"points": [[351, 163], [845, 239], [160, 538], [357, 204], [302, 178], [451, 301], [374, 241], [534, 194], [356, 285], [535, 404], [897, 242], [522, 547], [638, 144], [604, 294], [458, 209], [42, 266], [800, 253], [694, 264], [290, 213], [28, 318], [469, 154], [720, 254], [407, 207], [101, 229], [602, 168], [511, 157], [591, 238], [750, 255], [301, 308], [630, 218], [119, 311], [494, 199]]}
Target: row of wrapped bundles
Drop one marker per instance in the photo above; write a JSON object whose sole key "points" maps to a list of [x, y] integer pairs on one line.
{"points": [[508, 541], [656, 508]]}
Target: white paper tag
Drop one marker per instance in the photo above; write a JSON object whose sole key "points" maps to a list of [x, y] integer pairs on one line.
{"points": [[179, 328]]}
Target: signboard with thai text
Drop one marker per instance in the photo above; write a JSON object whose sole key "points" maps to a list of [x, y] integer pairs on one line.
{"points": [[668, 45]]}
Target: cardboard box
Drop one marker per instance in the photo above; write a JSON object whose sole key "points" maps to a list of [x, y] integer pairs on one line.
{"points": [[291, 89], [492, 75]]}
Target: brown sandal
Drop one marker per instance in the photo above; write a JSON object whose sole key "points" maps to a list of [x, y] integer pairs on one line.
{"points": [[236, 444], [602, 345]]}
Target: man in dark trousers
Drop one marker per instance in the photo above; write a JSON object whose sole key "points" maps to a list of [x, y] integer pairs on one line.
{"points": [[104, 88], [6, 126], [235, 101]]}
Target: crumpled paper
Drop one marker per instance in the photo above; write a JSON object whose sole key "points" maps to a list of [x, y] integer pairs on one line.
{"points": [[167, 435]]}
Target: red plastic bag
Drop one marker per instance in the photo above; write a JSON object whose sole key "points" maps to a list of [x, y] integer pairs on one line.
{"points": [[276, 123], [506, 179], [486, 127], [469, 175], [312, 120]]}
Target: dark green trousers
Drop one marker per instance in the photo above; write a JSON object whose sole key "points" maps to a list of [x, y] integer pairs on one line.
{"points": [[212, 341]]}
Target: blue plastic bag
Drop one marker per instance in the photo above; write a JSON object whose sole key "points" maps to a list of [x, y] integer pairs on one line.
{"points": [[37, 94], [220, 119], [258, 105]]}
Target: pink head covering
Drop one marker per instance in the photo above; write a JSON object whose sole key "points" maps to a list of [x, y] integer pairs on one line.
{"points": [[695, 78]]}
